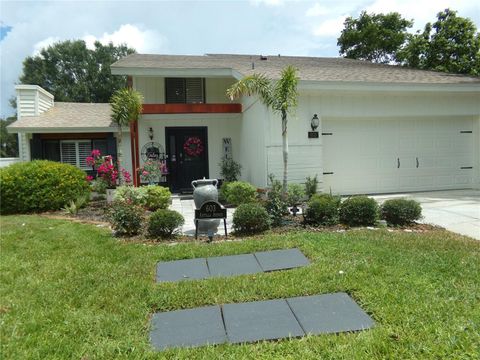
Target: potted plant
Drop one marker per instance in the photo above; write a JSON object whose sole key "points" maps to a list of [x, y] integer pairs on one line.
{"points": [[152, 170]]}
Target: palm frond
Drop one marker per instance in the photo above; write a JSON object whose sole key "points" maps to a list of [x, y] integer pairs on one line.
{"points": [[256, 84], [285, 90], [126, 106]]}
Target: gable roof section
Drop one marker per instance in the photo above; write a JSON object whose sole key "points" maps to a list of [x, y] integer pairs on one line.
{"points": [[317, 69], [68, 117]]}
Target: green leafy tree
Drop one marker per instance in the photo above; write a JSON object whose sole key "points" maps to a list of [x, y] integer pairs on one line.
{"points": [[279, 95], [373, 37], [72, 72], [126, 108], [8, 142], [451, 44]]}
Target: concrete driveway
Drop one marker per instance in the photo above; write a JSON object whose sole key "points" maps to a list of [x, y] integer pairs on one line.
{"points": [[455, 210]]}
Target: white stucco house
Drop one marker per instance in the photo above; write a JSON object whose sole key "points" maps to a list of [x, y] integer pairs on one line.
{"points": [[381, 128]]}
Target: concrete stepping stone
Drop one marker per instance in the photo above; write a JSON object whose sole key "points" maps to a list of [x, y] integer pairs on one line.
{"points": [[281, 259], [329, 313], [260, 320], [202, 268], [193, 327], [233, 265], [180, 270]]}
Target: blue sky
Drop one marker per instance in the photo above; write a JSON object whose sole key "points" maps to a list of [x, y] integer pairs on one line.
{"points": [[298, 27]]}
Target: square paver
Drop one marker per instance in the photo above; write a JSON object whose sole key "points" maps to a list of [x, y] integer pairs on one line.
{"points": [[329, 313], [260, 320], [233, 265], [182, 270], [193, 327], [281, 259]]}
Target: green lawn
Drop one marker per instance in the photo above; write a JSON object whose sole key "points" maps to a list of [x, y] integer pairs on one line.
{"points": [[71, 291]]}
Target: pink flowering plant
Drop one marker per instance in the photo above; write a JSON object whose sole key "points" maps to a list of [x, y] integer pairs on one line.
{"points": [[152, 170], [107, 172]]}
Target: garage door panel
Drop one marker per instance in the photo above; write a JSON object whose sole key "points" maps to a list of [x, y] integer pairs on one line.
{"points": [[363, 154]]}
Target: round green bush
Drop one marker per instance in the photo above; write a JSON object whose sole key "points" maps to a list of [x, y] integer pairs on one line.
{"points": [[130, 194], [333, 198], [322, 211], [125, 218], [40, 185], [358, 211], [250, 218], [164, 222], [156, 197], [239, 192], [401, 211]]}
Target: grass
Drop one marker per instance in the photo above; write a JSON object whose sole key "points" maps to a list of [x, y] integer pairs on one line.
{"points": [[70, 290]]}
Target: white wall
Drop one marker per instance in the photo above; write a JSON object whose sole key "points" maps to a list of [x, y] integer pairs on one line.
{"points": [[252, 142], [153, 89], [8, 161], [219, 126]]}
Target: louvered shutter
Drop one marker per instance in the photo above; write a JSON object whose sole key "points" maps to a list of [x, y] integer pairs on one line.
{"points": [[84, 150], [194, 90], [175, 91], [68, 153]]}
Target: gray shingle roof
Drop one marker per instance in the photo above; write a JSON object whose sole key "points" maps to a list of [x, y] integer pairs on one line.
{"points": [[67, 116], [310, 68]]}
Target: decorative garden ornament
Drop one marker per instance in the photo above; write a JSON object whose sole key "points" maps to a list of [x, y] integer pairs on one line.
{"points": [[205, 190]]}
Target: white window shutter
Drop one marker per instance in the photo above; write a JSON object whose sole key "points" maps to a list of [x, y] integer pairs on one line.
{"points": [[68, 153], [84, 150]]}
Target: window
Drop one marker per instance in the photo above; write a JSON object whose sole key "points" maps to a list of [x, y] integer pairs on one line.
{"points": [[185, 90], [75, 152]]}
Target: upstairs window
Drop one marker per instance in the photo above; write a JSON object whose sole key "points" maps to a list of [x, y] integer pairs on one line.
{"points": [[184, 90]]}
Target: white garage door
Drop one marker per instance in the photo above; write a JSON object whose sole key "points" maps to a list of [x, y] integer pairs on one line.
{"points": [[394, 155]]}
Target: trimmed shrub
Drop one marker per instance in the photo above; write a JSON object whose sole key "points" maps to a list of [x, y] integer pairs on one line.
{"points": [[156, 197], [295, 194], [322, 211], [250, 218], [239, 192], [130, 194], [164, 222], [401, 211], [311, 185], [125, 218], [334, 198], [230, 170], [358, 210], [40, 185], [275, 205]]}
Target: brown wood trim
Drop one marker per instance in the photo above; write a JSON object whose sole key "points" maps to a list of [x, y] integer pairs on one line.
{"points": [[73, 136], [129, 81], [190, 108], [132, 152], [137, 153]]}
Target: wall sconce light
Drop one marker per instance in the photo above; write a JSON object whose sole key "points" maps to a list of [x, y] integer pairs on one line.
{"points": [[150, 134], [315, 122]]}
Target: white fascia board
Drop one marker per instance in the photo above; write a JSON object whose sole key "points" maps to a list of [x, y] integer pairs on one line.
{"points": [[164, 72], [38, 130], [34, 87], [385, 87]]}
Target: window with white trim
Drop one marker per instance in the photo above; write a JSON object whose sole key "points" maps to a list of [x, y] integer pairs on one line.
{"points": [[184, 90], [74, 152]]}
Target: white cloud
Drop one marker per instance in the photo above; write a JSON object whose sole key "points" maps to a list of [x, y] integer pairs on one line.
{"points": [[44, 43], [330, 27], [267, 2], [317, 10], [144, 41]]}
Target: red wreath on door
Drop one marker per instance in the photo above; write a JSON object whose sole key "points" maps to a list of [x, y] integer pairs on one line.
{"points": [[193, 147]]}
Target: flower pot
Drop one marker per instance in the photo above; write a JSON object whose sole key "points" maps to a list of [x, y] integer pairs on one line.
{"points": [[110, 195]]}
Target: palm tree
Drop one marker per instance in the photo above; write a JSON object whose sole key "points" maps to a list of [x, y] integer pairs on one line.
{"points": [[280, 96], [126, 108]]}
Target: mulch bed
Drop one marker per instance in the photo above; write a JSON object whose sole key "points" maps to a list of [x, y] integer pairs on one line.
{"points": [[95, 213]]}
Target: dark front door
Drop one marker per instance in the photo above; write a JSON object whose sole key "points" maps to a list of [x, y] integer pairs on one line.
{"points": [[187, 151]]}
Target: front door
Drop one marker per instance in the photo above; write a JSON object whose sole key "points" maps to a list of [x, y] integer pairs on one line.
{"points": [[187, 151]]}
